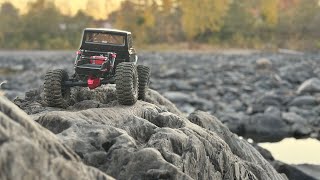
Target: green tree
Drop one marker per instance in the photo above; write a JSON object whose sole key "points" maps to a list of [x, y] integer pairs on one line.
{"points": [[167, 23], [42, 23], [75, 26], [269, 12], [239, 21], [9, 26], [136, 16], [201, 17]]}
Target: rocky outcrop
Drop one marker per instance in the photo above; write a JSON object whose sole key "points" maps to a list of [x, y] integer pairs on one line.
{"points": [[150, 140], [29, 151]]}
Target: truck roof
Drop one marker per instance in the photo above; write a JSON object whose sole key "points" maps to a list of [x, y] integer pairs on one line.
{"points": [[108, 30]]}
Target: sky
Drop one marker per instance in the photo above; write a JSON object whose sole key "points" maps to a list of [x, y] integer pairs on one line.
{"points": [[100, 8]]}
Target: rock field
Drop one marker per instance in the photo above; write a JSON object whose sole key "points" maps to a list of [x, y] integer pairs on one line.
{"points": [[262, 96]]}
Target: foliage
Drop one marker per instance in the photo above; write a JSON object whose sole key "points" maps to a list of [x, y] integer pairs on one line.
{"points": [[269, 12], [201, 17], [9, 34], [42, 27], [250, 23], [225, 23]]}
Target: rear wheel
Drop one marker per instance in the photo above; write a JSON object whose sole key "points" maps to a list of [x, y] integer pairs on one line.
{"points": [[126, 83], [144, 76], [55, 93]]}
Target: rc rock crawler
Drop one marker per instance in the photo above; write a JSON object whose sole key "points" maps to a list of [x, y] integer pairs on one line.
{"points": [[106, 56]]}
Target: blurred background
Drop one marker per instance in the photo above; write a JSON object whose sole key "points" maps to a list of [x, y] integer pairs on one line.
{"points": [[254, 64], [165, 24]]}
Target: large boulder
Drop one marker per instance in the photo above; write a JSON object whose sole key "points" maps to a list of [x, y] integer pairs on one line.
{"points": [[29, 151], [264, 127], [153, 140]]}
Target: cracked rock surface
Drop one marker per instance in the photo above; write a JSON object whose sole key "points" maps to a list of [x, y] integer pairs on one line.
{"points": [[29, 151], [150, 140]]}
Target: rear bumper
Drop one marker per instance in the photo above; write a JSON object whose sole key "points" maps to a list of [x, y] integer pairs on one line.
{"points": [[74, 82], [89, 69]]}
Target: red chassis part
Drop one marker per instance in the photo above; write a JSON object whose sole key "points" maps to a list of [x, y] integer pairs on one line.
{"points": [[106, 63], [98, 60], [93, 82]]}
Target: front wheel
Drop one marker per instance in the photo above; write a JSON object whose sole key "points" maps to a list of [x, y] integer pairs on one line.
{"points": [[55, 93], [126, 80]]}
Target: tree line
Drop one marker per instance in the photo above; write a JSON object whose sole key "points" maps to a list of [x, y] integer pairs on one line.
{"points": [[42, 27], [222, 23]]}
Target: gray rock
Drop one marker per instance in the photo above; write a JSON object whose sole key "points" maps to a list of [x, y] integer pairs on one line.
{"points": [[292, 118], [145, 141], [292, 171], [209, 122], [122, 146], [29, 151], [305, 113], [273, 111], [188, 102], [235, 122], [270, 128], [263, 64], [178, 97], [187, 108], [86, 104], [172, 73], [309, 86], [301, 130], [265, 153], [270, 100], [225, 85], [301, 101], [179, 85], [154, 97], [296, 72], [238, 106], [262, 103], [222, 84], [310, 169]]}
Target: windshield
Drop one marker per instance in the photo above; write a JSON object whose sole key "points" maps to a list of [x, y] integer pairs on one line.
{"points": [[104, 38]]}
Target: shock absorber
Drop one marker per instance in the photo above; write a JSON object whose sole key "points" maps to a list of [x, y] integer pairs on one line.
{"points": [[113, 58], [78, 53]]}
